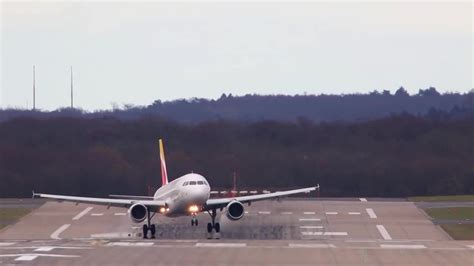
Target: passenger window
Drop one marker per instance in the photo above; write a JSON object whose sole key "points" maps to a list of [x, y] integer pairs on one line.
{"points": [[200, 183], [192, 182], [185, 183]]}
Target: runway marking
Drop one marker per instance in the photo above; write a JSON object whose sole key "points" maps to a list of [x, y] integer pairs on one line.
{"points": [[354, 213], [120, 214], [50, 248], [309, 213], [131, 244], [55, 234], [246, 212], [253, 192], [363, 199], [470, 246], [331, 213], [309, 219], [391, 246], [113, 235], [243, 192], [264, 212], [311, 227], [383, 232], [294, 245], [4, 244], [371, 213], [32, 256], [221, 245], [97, 214], [82, 213], [286, 213], [324, 233], [26, 258]]}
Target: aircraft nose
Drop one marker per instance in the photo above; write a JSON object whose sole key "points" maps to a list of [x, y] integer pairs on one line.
{"points": [[199, 194]]}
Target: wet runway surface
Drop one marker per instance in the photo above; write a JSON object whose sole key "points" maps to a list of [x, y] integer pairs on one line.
{"points": [[305, 232]]}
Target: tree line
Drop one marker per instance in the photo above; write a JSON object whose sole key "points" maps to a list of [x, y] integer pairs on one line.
{"points": [[399, 155]]}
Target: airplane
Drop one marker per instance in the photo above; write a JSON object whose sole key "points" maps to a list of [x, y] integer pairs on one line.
{"points": [[187, 195]]}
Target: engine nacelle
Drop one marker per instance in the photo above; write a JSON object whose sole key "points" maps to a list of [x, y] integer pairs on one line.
{"points": [[138, 213], [235, 210]]}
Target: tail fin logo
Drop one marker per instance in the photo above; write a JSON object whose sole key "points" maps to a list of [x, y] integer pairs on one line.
{"points": [[164, 173]]}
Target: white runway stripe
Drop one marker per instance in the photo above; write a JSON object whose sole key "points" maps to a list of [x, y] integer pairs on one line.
{"points": [[309, 213], [253, 192], [354, 213], [295, 245], [26, 258], [264, 212], [286, 213], [311, 227], [324, 233], [4, 244], [221, 245], [309, 219], [331, 213], [371, 213], [97, 214], [384, 232], [470, 246], [131, 244], [120, 214], [392, 246], [82, 213], [363, 199], [55, 234]]}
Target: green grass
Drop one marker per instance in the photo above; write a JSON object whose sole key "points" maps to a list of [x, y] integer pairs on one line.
{"points": [[443, 198], [452, 213], [460, 231], [11, 215]]}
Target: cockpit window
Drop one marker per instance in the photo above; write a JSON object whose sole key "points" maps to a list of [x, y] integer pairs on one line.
{"points": [[185, 183], [200, 183], [192, 182]]}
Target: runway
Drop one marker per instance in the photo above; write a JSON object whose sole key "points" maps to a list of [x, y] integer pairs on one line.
{"points": [[304, 232]]}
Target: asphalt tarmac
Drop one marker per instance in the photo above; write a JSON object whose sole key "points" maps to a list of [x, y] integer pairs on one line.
{"points": [[290, 232]]}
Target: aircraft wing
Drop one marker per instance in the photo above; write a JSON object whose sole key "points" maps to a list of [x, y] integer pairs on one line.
{"points": [[103, 201], [222, 202]]}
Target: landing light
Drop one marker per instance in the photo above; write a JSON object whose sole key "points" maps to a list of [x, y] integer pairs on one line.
{"points": [[163, 210], [193, 208]]}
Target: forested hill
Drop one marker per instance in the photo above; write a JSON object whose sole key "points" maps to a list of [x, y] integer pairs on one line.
{"points": [[400, 155], [251, 108]]}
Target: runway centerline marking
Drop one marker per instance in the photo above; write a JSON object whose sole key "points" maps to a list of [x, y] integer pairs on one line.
{"points": [[26, 258], [97, 214], [363, 199], [4, 244], [287, 213], [309, 219], [309, 213], [324, 233], [296, 245], [371, 213], [469, 246], [120, 214], [221, 245], [264, 212], [82, 213], [55, 234], [331, 213], [393, 246], [354, 213], [32, 256], [311, 227], [383, 232]]}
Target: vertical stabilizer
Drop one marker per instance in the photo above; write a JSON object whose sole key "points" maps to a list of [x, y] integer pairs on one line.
{"points": [[164, 173]]}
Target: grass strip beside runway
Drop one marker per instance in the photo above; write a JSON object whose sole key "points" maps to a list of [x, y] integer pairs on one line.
{"points": [[11, 215], [442, 198]]}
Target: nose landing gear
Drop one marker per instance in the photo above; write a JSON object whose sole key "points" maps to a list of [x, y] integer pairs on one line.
{"points": [[194, 221]]}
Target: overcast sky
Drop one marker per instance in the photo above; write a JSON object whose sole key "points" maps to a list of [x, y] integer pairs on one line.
{"points": [[135, 53]]}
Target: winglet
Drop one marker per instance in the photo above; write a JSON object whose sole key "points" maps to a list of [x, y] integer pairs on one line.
{"points": [[33, 194], [164, 173]]}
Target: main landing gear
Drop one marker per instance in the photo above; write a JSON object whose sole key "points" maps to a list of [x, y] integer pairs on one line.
{"points": [[149, 226], [213, 225]]}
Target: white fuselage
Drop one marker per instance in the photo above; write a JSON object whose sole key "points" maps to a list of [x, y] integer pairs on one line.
{"points": [[182, 193]]}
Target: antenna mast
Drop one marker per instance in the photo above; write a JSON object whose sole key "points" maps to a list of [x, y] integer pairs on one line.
{"points": [[72, 92], [34, 89]]}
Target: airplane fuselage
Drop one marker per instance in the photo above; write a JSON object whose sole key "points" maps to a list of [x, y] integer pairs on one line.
{"points": [[185, 195]]}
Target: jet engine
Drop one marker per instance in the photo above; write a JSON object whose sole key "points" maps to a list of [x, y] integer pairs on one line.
{"points": [[235, 210], [138, 212]]}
